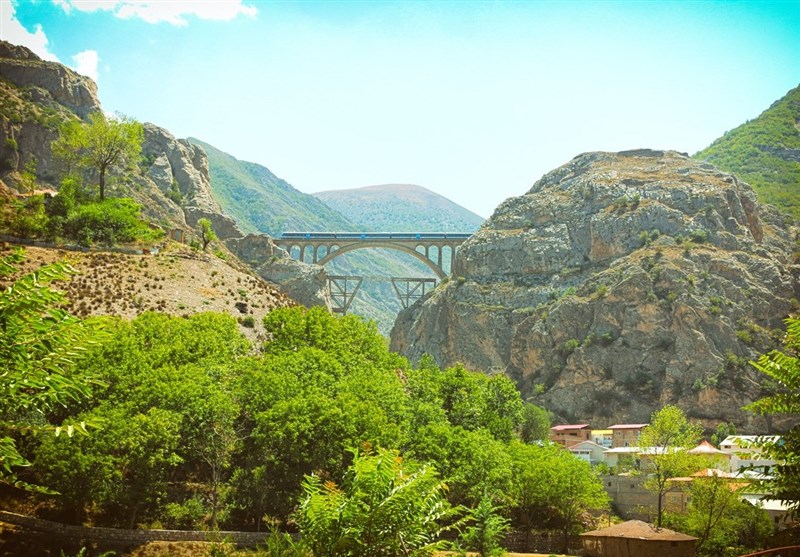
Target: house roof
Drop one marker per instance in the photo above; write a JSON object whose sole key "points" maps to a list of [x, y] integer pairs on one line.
{"points": [[585, 445], [636, 529], [628, 426], [705, 448], [568, 427]]}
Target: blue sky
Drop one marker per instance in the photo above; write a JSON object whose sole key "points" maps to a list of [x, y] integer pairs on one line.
{"points": [[474, 100]]}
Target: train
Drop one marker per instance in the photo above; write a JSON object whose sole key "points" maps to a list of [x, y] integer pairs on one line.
{"points": [[374, 236]]}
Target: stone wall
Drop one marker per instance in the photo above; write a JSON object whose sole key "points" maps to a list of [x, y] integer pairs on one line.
{"points": [[129, 537]]}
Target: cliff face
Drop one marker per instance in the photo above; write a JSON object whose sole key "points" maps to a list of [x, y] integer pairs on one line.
{"points": [[617, 284], [172, 183]]}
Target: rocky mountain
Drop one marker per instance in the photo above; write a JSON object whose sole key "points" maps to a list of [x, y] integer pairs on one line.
{"points": [[400, 208], [172, 183], [765, 152], [619, 283]]}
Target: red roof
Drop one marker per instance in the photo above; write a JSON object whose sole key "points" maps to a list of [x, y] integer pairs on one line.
{"points": [[568, 427], [628, 426]]}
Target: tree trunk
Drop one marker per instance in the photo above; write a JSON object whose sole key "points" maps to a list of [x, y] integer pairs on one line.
{"points": [[102, 183]]}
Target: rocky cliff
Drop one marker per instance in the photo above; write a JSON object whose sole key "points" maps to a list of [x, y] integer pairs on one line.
{"points": [[619, 283], [172, 183]]}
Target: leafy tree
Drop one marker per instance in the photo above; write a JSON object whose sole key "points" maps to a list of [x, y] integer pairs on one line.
{"points": [[39, 344], [488, 530], [721, 520], [667, 437], [783, 371], [552, 488], [207, 234], [386, 506], [535, 424], [104, 144]]}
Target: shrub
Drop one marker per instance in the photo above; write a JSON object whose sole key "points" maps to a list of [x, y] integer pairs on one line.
{"points": [[109, 222], [11, 143], [248, 321], [570, 346]]}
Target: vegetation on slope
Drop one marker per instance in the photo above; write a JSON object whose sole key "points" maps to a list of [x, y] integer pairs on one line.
{"points": [[259, 201], [765, 153]]}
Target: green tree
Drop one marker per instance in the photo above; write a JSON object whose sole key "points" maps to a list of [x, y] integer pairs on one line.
{"points": [[552, 488], [39, 345], [721, 520], [385, 506], [783, 372], [487, 531], [666, 440], [535, 424], [104, 144], [207, 234]]}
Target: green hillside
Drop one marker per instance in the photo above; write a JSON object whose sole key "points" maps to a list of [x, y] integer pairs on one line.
{"points": [[401, 208], [262, 202], [765, 153]]}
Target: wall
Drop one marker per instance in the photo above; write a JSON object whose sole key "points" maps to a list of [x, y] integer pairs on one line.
{"points": [[129, 537]]}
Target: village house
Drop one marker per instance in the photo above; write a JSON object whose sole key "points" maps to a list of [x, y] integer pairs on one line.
{"points": [[589, 451], [626, 435], [602, 437], [637, 538], [745, 454], [569, 435]]}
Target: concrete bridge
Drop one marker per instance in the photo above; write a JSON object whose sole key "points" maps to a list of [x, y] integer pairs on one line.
{"points": [[428, 247], [322, 247]]}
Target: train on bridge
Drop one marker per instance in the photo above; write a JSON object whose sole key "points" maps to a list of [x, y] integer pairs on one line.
{"points": [[374, 236]]}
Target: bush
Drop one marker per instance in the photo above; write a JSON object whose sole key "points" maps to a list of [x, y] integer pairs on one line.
{"points": [[109, 222]]}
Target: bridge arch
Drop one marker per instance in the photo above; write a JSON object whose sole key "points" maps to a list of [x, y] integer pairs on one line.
{"points": [[388, 245]]}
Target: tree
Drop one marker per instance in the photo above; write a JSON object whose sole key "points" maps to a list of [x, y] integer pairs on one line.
{"points": [[720, 519], [552, 488], [39, 345], [386, 506], [535, 423], [783, 372], [488, 530], [667, 437], [104, 144], [207, 234]]}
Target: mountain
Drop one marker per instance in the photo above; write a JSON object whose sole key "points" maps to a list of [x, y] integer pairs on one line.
{"points": [[172, 182], [262, 202], [765, 153], [400, 208], [619, 283]]}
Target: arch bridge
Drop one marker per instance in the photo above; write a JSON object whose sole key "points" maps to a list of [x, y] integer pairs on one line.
{"points": [[322, 247]]}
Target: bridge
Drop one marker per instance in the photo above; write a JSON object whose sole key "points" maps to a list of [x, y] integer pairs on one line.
{"points": [[428, 247]]}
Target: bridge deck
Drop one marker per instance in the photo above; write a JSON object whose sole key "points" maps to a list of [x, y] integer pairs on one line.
{"points": [[368, 236]]}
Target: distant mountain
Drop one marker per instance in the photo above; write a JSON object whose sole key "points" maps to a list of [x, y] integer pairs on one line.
{"points": [[765, 153], [262, 202], [401, 208]]}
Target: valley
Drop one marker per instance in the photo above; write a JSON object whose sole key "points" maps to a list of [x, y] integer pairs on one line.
{"points": [[169, 363]]}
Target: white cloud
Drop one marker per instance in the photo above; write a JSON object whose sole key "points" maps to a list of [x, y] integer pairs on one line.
{"points": [[11, 30], [174, 12], [86, 63]]}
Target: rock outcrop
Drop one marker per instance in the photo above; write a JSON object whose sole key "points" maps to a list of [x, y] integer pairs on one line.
{"points": [[617, 284], [48, 81], [308, 284]]}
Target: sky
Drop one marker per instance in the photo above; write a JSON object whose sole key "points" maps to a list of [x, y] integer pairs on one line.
{"points": [[473, 100]]}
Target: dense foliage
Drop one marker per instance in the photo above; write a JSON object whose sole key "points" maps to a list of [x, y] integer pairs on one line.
{"points": [[783, 370], [760, 153], [202, 430], [39, 344], [100, 147]]}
